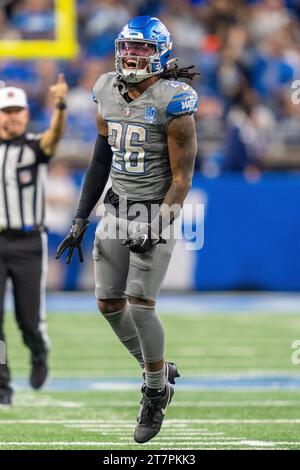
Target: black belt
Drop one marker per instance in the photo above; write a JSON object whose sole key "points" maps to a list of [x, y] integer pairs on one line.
{"points": [[114, 199], [21, 233]]}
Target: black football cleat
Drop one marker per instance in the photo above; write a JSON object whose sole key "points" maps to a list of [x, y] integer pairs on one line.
{"points": [[172, 372], [152, 413], [6, 396], [39, 372]]}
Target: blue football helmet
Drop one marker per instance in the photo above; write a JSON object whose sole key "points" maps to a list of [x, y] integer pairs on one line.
{"points": [[143, 48]]}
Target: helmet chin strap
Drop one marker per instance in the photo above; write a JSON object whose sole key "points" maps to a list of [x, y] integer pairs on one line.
{"points": [[132, 78], [128, 78]]}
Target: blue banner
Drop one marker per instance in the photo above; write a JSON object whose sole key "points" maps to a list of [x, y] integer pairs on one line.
{"points": [[252, 233]]}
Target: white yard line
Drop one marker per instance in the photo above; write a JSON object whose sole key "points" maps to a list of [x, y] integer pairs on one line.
{"points": [[157, 442], [199, 438], [169, 422], [236, 404], [120, 434], [217, 403]]}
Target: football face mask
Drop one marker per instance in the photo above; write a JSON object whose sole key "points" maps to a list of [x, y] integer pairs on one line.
{"points": [[135, 59]]}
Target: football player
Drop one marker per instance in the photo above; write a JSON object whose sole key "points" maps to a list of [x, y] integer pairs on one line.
{"points": [[147, 144]]}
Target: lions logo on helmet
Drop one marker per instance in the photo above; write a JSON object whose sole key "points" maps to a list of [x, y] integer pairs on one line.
{"points": [[143, 48]]}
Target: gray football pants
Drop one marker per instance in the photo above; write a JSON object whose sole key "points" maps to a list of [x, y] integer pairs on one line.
{"points": [[119, 272]]}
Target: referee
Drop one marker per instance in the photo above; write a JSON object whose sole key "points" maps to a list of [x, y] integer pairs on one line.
{"points": [[23, 243]]}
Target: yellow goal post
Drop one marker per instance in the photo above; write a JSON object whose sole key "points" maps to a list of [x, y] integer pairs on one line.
{"points": [[64, 46]]}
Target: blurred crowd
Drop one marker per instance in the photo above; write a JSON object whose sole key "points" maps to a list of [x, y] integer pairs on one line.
{"points": [[248, 53]]}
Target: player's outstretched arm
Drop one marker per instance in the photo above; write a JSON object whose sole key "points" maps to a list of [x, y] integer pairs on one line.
{"points": [[94, 183], [52, 136]]}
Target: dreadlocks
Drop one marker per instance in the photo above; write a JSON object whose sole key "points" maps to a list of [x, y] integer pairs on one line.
{"points": [[170, 73], [175, 72]]}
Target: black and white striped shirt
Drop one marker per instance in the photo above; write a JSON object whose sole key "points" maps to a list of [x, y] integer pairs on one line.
{"points": [[23, 171]]}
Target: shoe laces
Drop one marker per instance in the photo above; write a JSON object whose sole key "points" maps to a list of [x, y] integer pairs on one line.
{"points": [[149, 410]]}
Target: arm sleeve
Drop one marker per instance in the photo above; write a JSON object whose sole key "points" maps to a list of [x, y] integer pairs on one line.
{"points": [[95, 178]]}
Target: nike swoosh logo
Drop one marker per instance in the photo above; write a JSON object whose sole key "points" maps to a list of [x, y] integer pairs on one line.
{"points": [[164, 410], [145, 239]]}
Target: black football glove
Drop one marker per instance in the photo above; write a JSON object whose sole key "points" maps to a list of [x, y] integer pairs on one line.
{"points": [[142, 240], [73, 240]]}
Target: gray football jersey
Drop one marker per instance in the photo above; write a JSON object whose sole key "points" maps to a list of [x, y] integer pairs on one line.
{"points": [[137, 134]]}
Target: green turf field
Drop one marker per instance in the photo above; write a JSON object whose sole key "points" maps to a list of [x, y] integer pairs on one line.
{"points": [[202, 345], [84, 345], [196, 420]]}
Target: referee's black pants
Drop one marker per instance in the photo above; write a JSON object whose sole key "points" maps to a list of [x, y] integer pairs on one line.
{"points": [[23, 259]]}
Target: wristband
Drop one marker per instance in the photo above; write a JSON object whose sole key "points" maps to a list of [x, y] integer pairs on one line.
{"points": [[61, 105]]}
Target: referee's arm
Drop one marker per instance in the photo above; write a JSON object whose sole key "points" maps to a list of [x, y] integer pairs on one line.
{"points": [[51, 137]]}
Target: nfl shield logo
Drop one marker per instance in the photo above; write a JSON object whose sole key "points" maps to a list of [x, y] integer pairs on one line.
{"points": [[150, 114]]}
